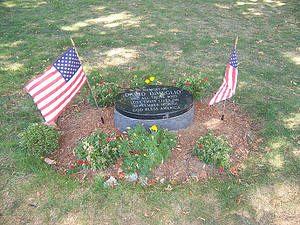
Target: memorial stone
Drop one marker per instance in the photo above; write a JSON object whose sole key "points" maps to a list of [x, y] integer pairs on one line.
{"points": [[169, 107]]}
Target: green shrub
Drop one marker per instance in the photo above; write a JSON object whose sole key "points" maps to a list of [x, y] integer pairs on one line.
{"points": [[97, 151], [143, 151], [39, 139], [196, 86], [104, 93], [213, 150]]}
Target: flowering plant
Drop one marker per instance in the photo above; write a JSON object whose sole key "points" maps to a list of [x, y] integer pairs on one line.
{"points": [[195, 85], [104, 93], [39, 139], [213, 150], [97, 151], [142, 81], [144, 151]]}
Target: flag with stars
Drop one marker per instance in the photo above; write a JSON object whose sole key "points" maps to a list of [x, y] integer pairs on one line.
{"points": [[53, 90], [228, 87]]}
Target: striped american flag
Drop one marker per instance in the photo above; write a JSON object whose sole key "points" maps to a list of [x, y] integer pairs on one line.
{"points": [[228, 87], [53, 90]]}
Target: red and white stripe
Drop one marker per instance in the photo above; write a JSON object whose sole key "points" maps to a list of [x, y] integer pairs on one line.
{"points": [[228, 87], [51, 93]]}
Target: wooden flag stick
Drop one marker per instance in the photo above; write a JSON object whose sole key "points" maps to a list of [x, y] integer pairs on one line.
{"points": [[88, 84], [222, 118]]}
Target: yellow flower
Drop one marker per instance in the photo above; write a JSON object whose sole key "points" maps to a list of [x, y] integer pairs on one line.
{"points": [[144, 154], [128, 128], [153, 127], [152, 78], [135, 76], [119, 146], [147, 81]]}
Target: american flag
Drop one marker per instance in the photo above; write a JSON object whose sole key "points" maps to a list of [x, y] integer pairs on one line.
{"points": [[53, 90], [228, 87]]}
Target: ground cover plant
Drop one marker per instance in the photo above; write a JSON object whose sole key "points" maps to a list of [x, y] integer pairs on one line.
{"points": [[196, 86], [39, 140], [103, 93], [97, 151], [117, 40], [143, 151], [213, 150]]}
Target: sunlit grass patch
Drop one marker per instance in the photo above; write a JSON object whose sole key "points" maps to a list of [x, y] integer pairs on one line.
{"points": [[279, 202]]}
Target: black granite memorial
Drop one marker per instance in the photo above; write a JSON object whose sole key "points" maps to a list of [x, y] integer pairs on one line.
{"points": [[169, 107]]}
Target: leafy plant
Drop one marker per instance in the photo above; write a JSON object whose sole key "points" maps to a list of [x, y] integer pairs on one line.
{"points": [[196, 86], [213, 150], [104, 93], [144, 151], [39, 139], [97, 151]]}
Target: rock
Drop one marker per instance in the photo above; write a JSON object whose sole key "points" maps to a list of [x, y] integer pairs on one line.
{"points": [[110, 182], [131, 178], [49, 161], [162, 180]]}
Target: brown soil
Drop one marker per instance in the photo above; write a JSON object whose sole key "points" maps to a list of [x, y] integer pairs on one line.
{"points": [[80, 120]]}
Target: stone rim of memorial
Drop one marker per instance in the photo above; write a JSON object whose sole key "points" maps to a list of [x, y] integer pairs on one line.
{"points": [[173, 107]]}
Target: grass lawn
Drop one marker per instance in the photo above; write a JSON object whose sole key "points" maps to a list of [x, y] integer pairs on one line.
{"points": [[117, 40]]}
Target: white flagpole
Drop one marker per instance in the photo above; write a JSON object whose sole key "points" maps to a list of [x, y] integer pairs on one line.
{"points": [[88, 83]]}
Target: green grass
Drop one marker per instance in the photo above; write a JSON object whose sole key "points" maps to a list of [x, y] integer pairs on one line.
{"points": [[167, 39]]}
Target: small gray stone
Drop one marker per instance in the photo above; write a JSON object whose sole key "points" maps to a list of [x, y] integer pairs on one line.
{"points": [[131, 178], [111, 180]]}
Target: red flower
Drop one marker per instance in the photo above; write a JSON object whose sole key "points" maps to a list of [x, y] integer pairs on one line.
{"points": [[200, 91], [85, 162], [107, 139], [97, 98], [88, 93], [72, 167], [110, 90], [221, 169], [187, 83], [200, 146], [79, 162], [102, 82], [87, 89], [205, 79]]}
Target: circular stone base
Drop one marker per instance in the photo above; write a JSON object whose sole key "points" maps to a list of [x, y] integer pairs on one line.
{"points": [[174, 123]]}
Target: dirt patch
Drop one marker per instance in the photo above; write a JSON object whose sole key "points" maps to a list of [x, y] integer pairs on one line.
{"points": [[81, 119]]}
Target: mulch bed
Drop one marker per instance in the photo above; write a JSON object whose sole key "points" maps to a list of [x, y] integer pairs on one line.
{"points": [[81, 119]]}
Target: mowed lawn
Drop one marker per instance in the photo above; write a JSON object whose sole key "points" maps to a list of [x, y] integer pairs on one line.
{"points": [[117, 40]]}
